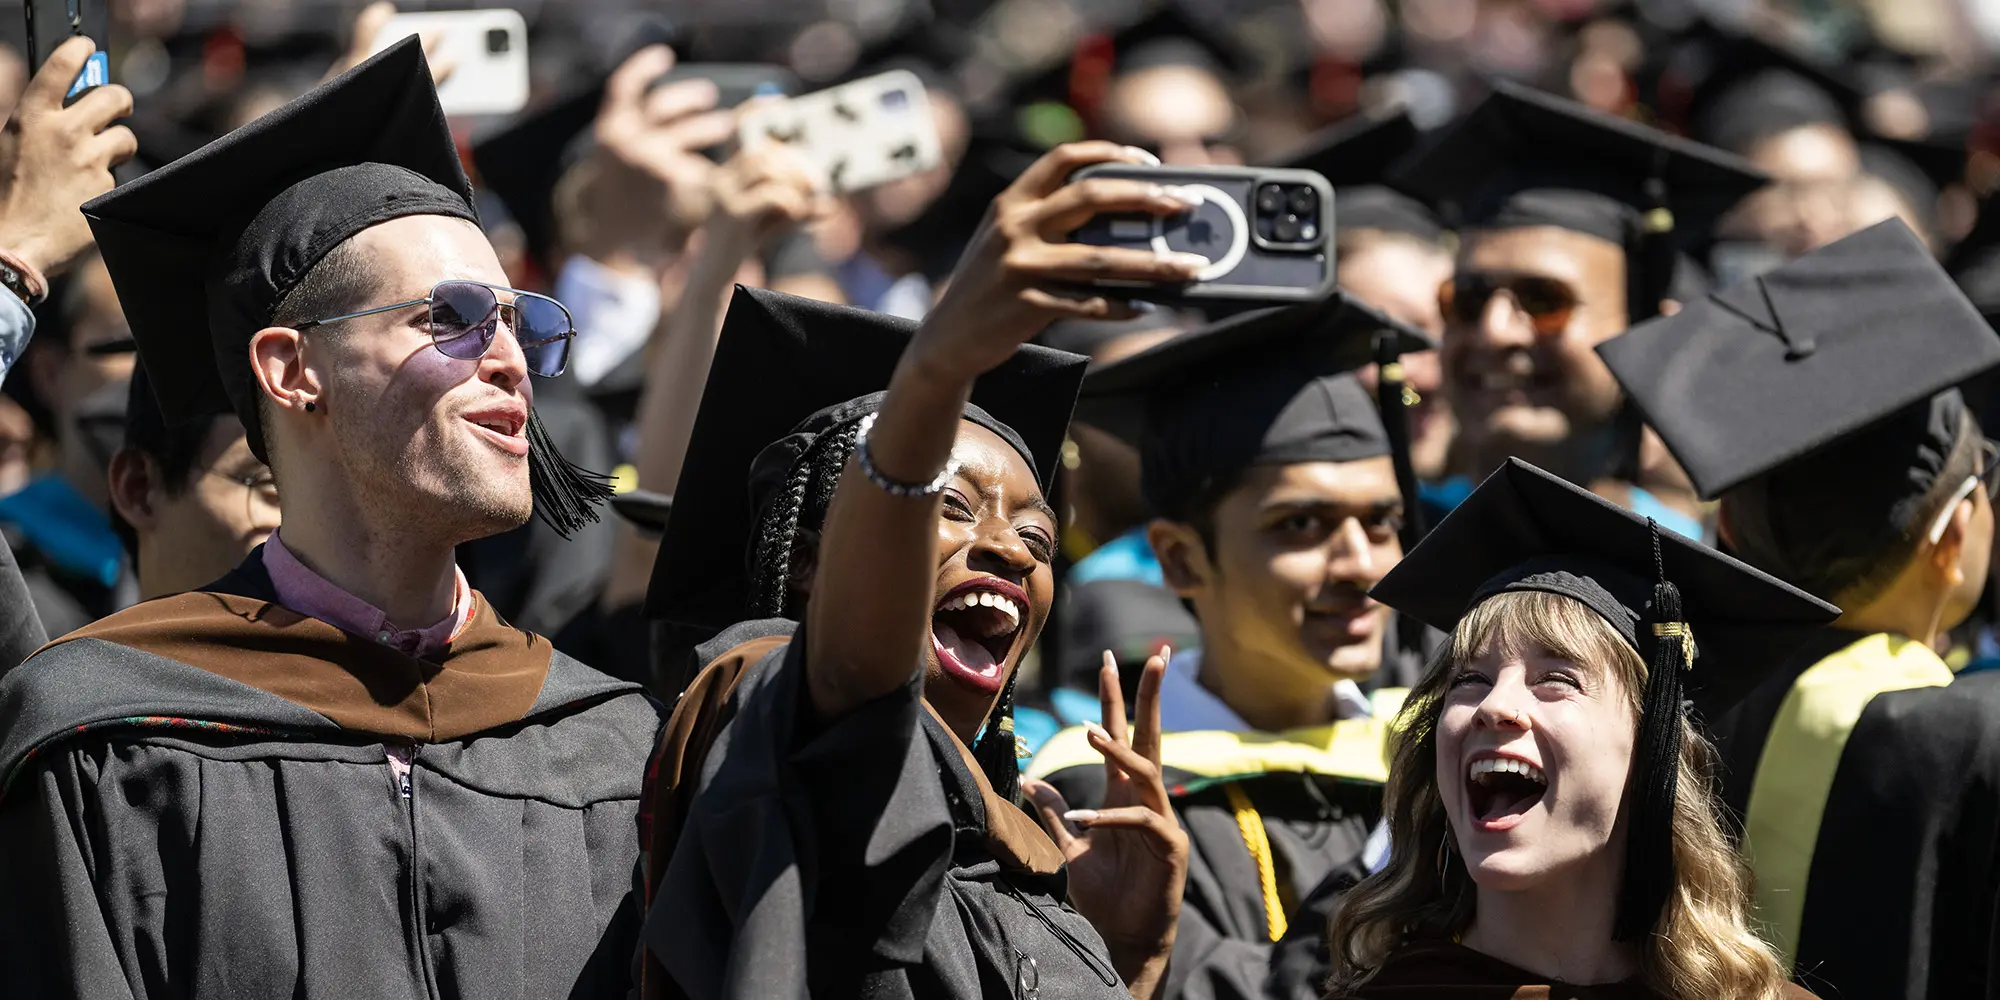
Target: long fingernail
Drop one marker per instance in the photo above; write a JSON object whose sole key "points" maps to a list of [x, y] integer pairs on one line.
{"points": [[1166, 654], [1185, 196], [1144, 156], [1096, 730], [1081, 816], [1192, 262]]}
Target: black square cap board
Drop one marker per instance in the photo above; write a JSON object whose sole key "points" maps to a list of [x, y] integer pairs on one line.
{"points": [[1268, 387], [1356, 157], [1526, 158], [1761, 373], [205, 248], [781, 360], [1525, 529]]}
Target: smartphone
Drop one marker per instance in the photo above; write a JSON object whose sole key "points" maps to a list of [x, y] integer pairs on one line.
{"points": [[53, 22], [854, 136], [489, 50], [1267, 232], [736, 82]]}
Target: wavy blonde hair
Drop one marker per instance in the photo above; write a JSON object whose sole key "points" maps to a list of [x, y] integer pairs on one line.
{"points": [[1702, 948]]}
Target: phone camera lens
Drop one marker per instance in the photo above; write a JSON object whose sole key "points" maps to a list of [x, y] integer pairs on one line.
{"points": [[1303, 201], [1287, 229], [1268, 199], [498, 42]]}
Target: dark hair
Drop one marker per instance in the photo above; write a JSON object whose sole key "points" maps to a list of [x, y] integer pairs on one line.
{"points": [[336, 284], [1850, 553], [801, 503], [174, 451]]}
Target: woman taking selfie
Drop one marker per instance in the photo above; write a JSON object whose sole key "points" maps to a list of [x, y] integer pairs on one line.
{"points": [[1549, 814], [833, 806]]}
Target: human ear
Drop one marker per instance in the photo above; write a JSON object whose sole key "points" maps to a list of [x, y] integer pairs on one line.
{"points": [[132, 480], [1182, 554], [277, 358], [1945, 555]]}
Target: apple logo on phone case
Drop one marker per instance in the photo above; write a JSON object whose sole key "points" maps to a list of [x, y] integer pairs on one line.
{"points": [[1215, 228]]}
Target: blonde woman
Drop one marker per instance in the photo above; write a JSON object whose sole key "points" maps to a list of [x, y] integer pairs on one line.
{"points": [[1549, 815]]}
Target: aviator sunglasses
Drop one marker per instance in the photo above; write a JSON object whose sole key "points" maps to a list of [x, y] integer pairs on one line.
{"points": [[464, 318], [1547, 302]]}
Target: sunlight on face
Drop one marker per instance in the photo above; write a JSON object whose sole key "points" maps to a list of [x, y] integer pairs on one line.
{"points": [[1570, 727]]}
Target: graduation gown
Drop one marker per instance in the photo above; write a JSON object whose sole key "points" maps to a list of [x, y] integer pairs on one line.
{"points": [[866, 857], [1446, 971], [1295, 807], [198, 804], [1872, 817]]}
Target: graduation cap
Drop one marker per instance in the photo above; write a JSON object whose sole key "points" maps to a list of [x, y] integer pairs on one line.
{"points": [[524, 162], [646, 510], [1525, 158], [1355, 156], [783, 362], [1707, 625], [1169, 35], [935, 238], [207, 247], [1750, 88], [1259, 388], [1761, 373]]}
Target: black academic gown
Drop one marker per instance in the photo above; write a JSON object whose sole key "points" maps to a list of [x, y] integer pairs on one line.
{"points": [[1446, 971], [1902, 878], [863, 858], [198, 804], [1314, 829]]}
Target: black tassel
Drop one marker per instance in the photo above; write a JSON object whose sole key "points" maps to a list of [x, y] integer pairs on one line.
{"points": [[995, 750], [1649, 844], [566, 497]]}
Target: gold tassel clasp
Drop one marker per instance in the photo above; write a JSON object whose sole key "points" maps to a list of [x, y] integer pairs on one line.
{"points": [[1681, 631]]}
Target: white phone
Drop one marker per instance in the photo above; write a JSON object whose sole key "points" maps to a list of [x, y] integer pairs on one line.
{"points": [[489, 50], [855, 136]]}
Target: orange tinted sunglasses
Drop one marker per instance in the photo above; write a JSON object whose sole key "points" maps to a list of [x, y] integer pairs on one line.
{"points": [[1547, 302]]}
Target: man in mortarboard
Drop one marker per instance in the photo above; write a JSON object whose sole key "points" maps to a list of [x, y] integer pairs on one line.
{"points": [[1278, 506], [1393, 253], [1817, 403], [1571, 227], [357, 778]]}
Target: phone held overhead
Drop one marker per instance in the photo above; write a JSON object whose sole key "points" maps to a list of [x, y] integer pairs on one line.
{"points": [[487, 50], [854, 136], [53, 22]]}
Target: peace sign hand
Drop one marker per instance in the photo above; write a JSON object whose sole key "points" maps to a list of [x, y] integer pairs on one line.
{"points": [[1128, 860]]}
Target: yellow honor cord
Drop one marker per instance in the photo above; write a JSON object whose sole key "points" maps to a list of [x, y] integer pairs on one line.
{"points": [[1252, 826]]}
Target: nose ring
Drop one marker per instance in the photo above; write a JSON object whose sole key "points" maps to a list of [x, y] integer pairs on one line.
{"points": [[1511, 718]]}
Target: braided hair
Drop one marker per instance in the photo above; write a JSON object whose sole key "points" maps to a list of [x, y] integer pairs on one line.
{"points": [[801, 503]]}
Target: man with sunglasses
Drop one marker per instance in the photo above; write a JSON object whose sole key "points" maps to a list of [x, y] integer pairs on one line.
{"points": [[335, 771], [1816, 402], [1571, 227]]}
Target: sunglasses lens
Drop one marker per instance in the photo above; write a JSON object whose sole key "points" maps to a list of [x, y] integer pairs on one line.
{"points": [[462, 319], [1463, 297], [544, 333]]}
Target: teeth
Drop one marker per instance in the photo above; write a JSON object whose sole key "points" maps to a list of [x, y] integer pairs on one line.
{"points": [[988, 599], [1503, 765]]}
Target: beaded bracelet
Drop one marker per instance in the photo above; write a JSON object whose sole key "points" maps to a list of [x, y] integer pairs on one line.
{"points": [[891, 486]]}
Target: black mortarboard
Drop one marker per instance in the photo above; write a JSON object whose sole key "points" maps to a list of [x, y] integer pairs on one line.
{"points": [[212, 243], [935, 238], [523, 163], [1526, 530], [1355, 156], [1525, 158], [1170, 35], [646, 510], [781, 361], [1763, 372], [1264, 387], [1732, 88]]}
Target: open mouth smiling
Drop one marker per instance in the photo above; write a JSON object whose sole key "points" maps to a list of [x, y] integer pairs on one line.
{"points": [[1499, 790], [976, 628]]}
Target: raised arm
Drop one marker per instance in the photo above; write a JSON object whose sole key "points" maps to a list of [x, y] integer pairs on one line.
{"points": [[869, 619]]}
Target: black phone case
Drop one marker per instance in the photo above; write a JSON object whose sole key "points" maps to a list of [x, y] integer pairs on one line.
{"points": [[1257, 275], [53, 22]]}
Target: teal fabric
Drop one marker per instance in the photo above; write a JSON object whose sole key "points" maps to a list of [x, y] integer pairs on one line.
{"points": [[67, 529]]}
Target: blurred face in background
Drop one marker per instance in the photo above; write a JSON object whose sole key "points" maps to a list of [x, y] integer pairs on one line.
{"points": [[1183, 113], [1400, 275], [1812, 169], [77, 382], [1520, 367]]}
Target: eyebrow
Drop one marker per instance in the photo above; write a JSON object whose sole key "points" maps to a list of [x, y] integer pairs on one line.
{"points": [[1033, 502]]}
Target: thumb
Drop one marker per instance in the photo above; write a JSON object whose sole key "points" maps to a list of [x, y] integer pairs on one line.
{"points": [[45, 92], [1050, 807], [626, 90]]}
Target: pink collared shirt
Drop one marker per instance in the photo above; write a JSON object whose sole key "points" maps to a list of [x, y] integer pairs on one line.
{"points": [[312, 595]]}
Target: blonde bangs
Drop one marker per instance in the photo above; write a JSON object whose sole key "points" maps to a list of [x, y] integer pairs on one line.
{"points": [[1531, 622]]}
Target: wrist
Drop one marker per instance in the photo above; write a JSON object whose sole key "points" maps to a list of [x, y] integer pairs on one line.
{"points": [[21, 273]]}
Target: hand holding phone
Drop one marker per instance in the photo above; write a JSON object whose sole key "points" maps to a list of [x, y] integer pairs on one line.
{"points": [[854, 136], [486, 51], [1268, 233], [53, 22], [53, 158], [1020, 273]]}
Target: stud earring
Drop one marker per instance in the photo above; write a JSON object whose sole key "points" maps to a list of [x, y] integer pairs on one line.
{"points": [[310, 407]]}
